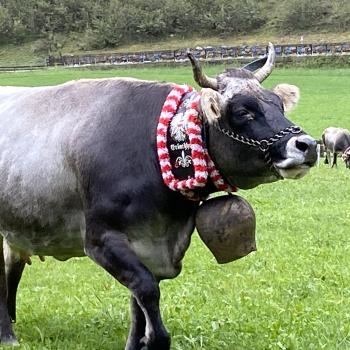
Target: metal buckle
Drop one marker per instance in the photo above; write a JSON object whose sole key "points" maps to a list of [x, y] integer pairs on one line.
{"points": [[296, 129], [264, 145]]}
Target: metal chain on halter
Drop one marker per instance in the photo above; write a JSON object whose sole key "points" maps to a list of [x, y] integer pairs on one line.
{"points": [[263, 144]]}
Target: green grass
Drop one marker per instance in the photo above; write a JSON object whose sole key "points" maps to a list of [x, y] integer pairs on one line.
{"points": [[20, 55], [293, 293]]}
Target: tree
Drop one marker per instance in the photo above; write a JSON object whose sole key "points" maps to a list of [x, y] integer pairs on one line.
{"points": [[299, 15], [6, 24]]}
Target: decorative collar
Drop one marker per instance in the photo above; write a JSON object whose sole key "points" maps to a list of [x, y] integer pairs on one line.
{"points": [[184, 159]]}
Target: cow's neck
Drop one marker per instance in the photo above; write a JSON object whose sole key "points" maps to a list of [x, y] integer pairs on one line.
{"points": [[184, 160]]}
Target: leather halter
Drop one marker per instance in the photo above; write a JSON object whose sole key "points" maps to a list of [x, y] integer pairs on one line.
{"points": [[264, 144]]}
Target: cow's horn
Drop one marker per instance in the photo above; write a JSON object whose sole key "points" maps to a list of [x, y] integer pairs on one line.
{"points": [[267, 68], [201, 79]]}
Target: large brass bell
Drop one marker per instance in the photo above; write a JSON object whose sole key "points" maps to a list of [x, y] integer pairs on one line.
{"points": [[226, 225]]}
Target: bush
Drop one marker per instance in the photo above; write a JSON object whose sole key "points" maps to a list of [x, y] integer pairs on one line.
{"points": [[90, 40], [239, 16], [6, 25], [109, 23], [300, 15]]}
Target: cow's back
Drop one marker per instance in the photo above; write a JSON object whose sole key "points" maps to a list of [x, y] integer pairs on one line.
{"points": [[335, 139], [49, 133]]}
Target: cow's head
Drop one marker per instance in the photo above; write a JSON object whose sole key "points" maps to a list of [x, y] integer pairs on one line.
{"points": [[238, 112], [346, 157]]}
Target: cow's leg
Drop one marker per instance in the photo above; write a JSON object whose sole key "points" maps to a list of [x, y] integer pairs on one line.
{"points": [[110, 249], [14, 275], [6, 332], [334, 163], [138, 326], [328, 157], [15, 264]]}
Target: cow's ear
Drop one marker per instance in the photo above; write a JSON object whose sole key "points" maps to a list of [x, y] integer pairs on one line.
{"points": [[211, 104], [289, 94]]}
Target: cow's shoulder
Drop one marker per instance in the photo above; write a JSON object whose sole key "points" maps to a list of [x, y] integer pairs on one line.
{"points": [[113, 82]]}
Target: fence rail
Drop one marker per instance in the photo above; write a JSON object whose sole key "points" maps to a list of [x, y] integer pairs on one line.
{"points": [[21, 68], [208, 53]]}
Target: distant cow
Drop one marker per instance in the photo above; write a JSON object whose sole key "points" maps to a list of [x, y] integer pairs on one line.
{"points": [[346, 157], [336, 141]]}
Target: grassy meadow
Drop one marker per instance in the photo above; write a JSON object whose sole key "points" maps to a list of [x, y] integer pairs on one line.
{"points": [[293, 293]]}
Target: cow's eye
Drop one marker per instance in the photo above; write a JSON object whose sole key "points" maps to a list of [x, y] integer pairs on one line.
{"points": [[245, 114], [241, 118]]}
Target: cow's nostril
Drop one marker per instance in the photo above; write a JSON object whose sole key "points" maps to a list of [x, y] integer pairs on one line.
{"points": [[302, 146]]}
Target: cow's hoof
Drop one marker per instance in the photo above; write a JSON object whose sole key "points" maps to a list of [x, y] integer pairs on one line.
{"points": [[9, 341], [159, 343]]}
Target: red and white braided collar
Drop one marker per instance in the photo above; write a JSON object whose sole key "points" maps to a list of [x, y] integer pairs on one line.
{"points": [[203, 165]]}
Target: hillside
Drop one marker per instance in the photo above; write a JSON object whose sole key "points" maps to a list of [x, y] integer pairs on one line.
{"points": [[25, 54], [34, 29]]}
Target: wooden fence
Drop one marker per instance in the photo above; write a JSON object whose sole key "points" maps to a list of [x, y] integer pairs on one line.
{"points": [[204, 53]]}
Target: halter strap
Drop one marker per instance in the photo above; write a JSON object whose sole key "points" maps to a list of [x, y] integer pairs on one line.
{"points": [[264, 144]]}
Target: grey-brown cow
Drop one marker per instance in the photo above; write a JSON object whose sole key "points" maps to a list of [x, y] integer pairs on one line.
{"points": [[336, 141], [80, 176]]}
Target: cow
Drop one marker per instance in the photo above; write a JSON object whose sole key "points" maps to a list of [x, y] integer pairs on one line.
{"points": [[346, 157], [336, 141], [81, 175]]}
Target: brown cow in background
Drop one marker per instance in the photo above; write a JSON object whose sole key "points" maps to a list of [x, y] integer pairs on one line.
{"points": [[336, 141]]}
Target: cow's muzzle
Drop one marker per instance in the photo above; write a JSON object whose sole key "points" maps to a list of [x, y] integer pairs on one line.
{"points": [[300, 156], [264, 144]]}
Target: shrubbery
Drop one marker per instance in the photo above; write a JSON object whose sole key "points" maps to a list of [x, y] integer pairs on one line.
{"points": [[109, 23]]}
